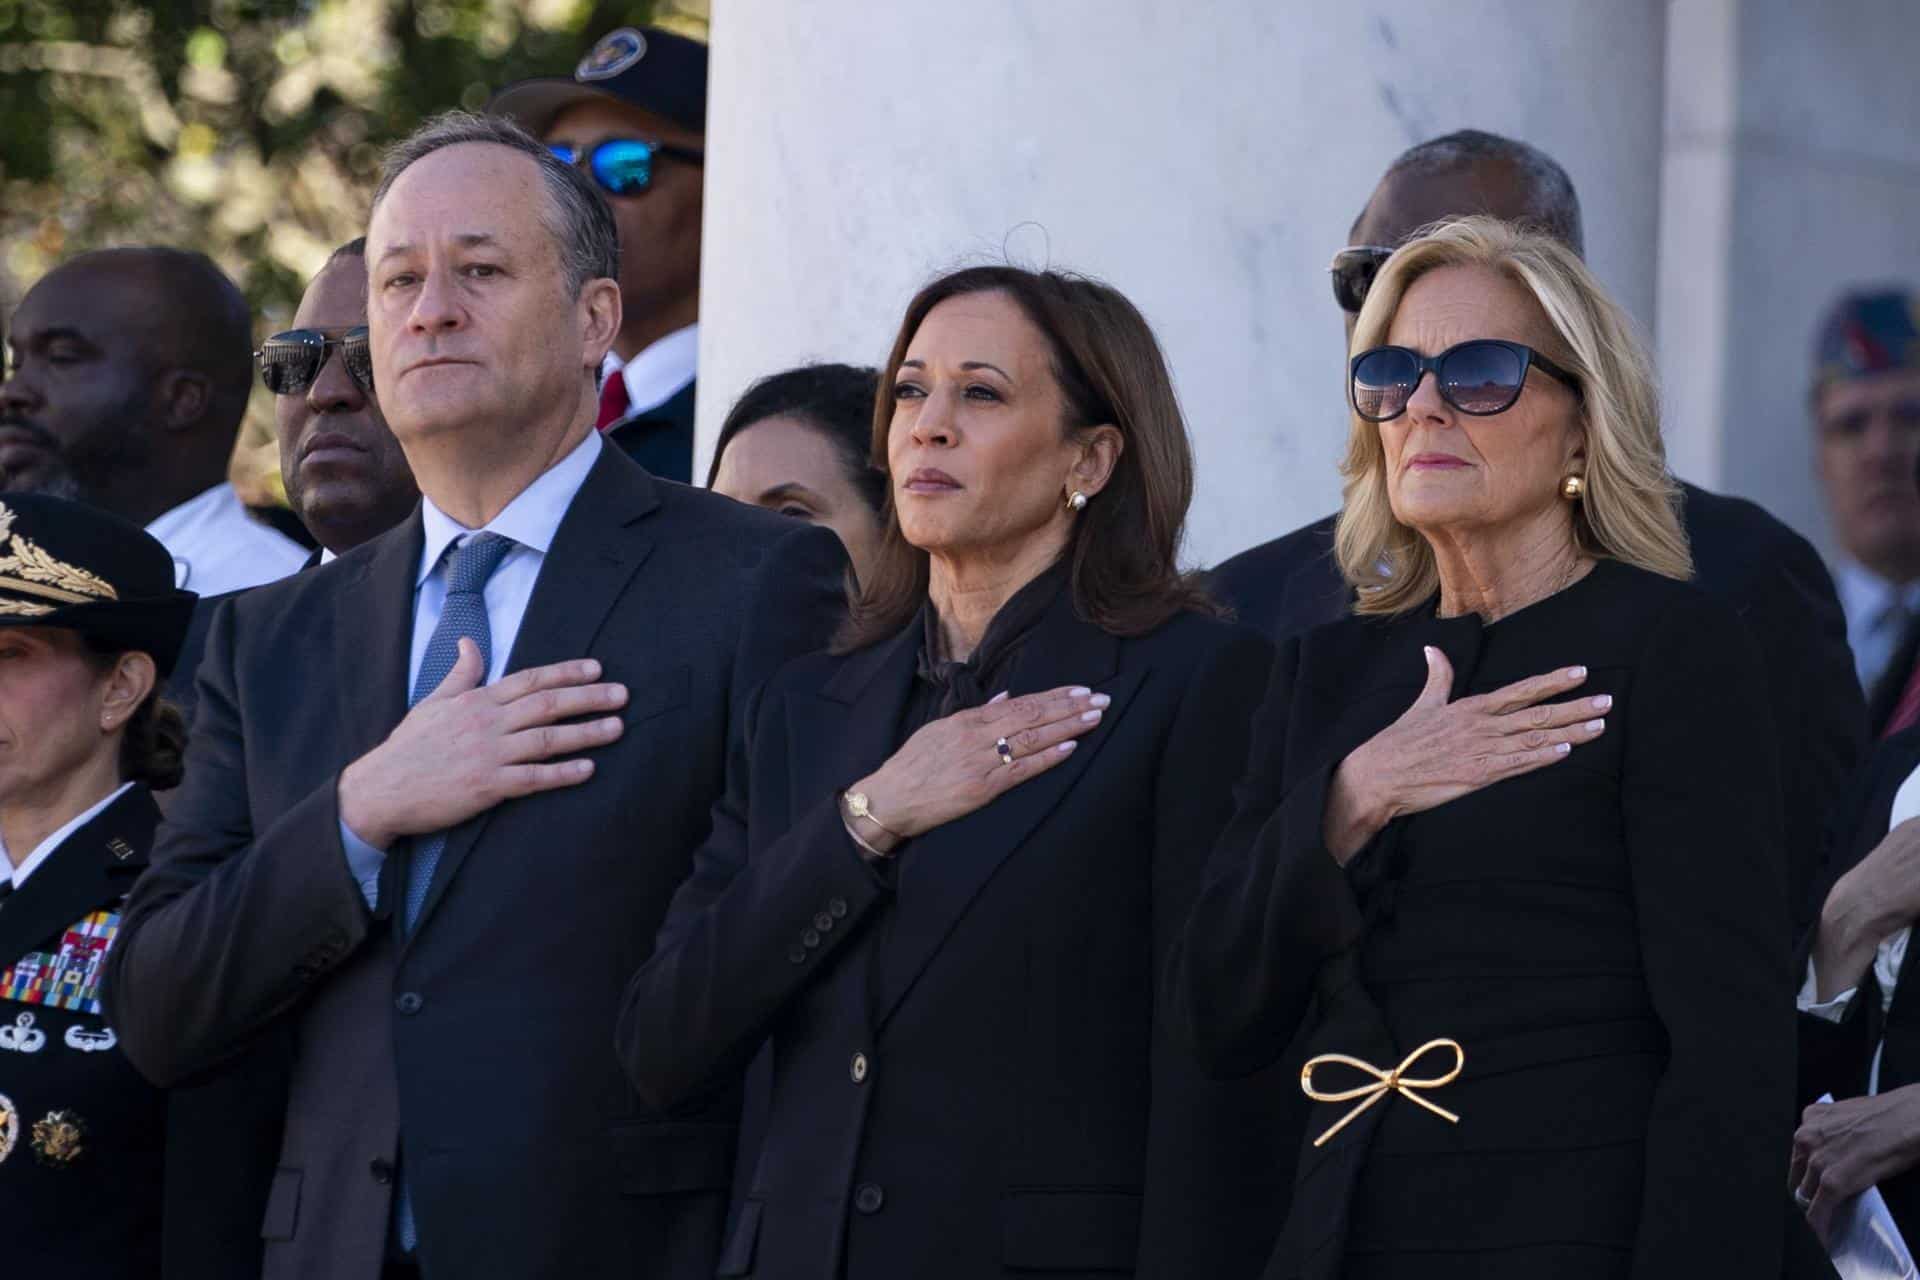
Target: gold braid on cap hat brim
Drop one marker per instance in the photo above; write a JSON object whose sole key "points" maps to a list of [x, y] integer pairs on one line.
{"points": [[27, 569]]}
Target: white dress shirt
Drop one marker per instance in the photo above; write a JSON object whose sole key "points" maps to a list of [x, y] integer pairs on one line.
{"points": [[217, 547], [1877, 614], [1887, 958], [660, 372], [531, 520], [45, 849]]}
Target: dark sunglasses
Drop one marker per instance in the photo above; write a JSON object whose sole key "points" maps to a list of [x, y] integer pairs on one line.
{"points": [[624, 166], [290, 361], [1480, 377], [1354, 268]]}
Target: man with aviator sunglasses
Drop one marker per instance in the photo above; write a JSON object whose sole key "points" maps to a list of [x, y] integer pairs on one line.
{"points": [[1771, 575], [633, 119]]}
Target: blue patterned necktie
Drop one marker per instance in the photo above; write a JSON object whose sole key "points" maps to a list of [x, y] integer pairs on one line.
{"points": [[463, 614]]}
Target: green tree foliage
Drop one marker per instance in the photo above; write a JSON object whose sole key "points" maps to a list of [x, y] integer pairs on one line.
{"points": [[248, 129]]}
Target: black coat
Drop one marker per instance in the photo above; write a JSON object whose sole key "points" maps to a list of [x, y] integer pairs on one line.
{"points": [[969, 1073], [661, 438], [1606, 938], [91, 1208], [1770, 575], [1837, 1058], [482, 1041]]}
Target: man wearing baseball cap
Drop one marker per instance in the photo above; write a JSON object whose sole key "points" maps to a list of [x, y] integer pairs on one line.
{"points": [[633, 117], [1865, 401]]}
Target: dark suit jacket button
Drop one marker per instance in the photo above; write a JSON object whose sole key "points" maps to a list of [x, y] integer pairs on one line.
{"points": [[409, 1002], [839, 908], [868, 1197], [382, 1171], [858, 1070], [810, 939], [797, 953], [823, 922]]}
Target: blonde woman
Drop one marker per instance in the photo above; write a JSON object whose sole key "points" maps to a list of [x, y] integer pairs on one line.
{"points": [[1511, 833]]}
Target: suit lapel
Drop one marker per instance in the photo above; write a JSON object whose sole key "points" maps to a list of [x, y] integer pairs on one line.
{"points": [[858, 711], [596, 551], [373, 637], [948, 866], [93, 866]]}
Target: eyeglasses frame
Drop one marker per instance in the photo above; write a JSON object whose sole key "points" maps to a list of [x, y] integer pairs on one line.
{"points": [[1529, 359], [359, 332], [583, 160]]}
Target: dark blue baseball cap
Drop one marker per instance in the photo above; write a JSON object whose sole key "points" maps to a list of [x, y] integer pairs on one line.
{"points": [[642, 67]]}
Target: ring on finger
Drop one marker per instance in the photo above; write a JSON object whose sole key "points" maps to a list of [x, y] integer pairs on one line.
{"points": [[1004, 751]]}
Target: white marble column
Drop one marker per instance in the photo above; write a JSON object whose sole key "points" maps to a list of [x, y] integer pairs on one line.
{"points": [[1206, 158], [1792, 171]]}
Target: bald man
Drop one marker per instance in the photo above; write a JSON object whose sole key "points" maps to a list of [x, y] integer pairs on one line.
{"points": [[130, 375]]}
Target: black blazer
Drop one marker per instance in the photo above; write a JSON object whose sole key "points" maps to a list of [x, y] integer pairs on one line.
{"points": [[661, 438], [483, 1038], [1770, 575], [968, 1073], [90, 1208], [1606, 938], [1837, 1058]]}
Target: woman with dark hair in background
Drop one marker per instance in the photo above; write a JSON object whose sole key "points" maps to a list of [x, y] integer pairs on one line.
{"points": [[798, 443], [90, 624], [970, 833]]}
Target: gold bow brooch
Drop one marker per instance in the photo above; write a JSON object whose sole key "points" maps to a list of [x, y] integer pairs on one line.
{"points": [[1384, 1082]]}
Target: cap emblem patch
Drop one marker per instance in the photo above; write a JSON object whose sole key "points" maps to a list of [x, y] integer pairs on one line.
{"points": [[616, 51]]}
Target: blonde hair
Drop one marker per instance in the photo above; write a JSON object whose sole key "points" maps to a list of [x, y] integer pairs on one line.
{"points": [[1630, 509]]}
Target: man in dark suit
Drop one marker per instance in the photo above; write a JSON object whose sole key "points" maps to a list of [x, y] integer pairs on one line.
{"points": [[633, 117], [348, 482], [443, 903], [1769, 573]]}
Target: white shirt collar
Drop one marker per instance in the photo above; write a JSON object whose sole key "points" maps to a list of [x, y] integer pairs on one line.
{"points": [[45, 848], [660, 372], [531, 519], [1865, 594]]}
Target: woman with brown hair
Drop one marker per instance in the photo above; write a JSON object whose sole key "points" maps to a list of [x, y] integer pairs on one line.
{"points": [[970, 833], [89, 624]]}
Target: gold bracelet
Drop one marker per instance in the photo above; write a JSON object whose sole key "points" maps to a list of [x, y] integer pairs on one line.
{"points": [[872, 854], [857, 806]]}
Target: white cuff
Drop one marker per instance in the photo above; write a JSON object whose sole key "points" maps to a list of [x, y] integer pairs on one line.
{"points": [[1834, 1010]]}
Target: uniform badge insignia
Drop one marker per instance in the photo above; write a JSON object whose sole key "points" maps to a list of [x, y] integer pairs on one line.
{"points": [[91, 1039], [616, 51], [59, 1139], [70, 977], [9, 1127], [22, 1036]]}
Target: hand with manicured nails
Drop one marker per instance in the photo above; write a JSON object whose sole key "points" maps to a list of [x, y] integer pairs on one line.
{"points": [[465, 747], [1439, 750], [951, 766]]}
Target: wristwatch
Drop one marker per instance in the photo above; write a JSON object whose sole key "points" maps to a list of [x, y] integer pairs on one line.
{"points": [[858, 810]]}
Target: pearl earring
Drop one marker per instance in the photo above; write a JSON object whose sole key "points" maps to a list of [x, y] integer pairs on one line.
{"points": [[1076, 501]]}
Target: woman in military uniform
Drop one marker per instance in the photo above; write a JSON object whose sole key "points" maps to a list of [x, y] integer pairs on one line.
{"points": [[90, 624]]}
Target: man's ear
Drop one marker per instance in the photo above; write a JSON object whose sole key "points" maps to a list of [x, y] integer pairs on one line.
{"points": [[600, 316], [182, 398]]}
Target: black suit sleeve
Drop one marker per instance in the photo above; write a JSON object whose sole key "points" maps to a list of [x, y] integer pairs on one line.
{"points": [[1703, 835], [1208, 1144], [722, 965], [1818, 709], [229, 926], [1273, 907]]}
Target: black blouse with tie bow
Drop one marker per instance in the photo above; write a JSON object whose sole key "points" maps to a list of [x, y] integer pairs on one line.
{"points": [[1606, 938], [965, 1070]]}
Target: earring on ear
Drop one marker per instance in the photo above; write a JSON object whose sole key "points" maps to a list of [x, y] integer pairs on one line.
{"points": [[1076, 501], [1573, 488]]}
